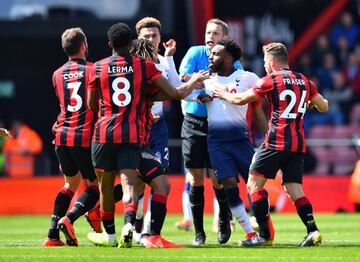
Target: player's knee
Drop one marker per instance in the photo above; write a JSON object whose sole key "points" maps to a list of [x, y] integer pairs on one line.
{"points": [[196, 177]]}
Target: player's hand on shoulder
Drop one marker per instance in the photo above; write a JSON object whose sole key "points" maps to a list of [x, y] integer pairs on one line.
{"points": [[170, 47]]}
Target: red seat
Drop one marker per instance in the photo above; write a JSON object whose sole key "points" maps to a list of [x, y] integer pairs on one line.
{"points": [[320, 131], [355, 115], [324, 159], [344, 131], [344, 159]]}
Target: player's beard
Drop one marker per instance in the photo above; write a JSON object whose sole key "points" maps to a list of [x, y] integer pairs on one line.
{"points": [[215, 68]]}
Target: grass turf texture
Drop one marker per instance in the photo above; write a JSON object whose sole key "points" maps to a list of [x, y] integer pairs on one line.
{"points": [[21, 239]]}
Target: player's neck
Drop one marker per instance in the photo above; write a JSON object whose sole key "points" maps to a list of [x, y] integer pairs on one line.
{"points": [[76, 57], [226, 71], [121, 51]]}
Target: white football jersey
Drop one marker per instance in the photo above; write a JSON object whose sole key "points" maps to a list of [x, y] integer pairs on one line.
{"points": [[167, 68], [227, 121]]}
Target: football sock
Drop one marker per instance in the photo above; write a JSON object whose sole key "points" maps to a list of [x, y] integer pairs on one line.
{"points": [[158, 213], [118, 193], [225, 212], [305, 211], [108, 221], [251, 210], [61, 205], [238, 208], [130, 213], [139, 211], [147, 218], [86, 201], [260, 205], [196, 196], [186, 203]]}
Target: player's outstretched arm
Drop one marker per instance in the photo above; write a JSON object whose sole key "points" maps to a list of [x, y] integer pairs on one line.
{"points": [[236, 98], [180, 92], [320, 103]]}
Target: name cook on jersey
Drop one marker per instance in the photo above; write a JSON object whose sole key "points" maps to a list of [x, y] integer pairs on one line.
{"points": [[77, 74]]}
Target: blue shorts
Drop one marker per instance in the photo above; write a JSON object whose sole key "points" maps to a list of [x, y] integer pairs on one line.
{"points": [[159, 141], [229, 159]]}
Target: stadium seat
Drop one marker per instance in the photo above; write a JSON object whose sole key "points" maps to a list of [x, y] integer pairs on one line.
{"points": [[320, 131], [341, 132], [344, 159], [324, 159], [355, 115]]}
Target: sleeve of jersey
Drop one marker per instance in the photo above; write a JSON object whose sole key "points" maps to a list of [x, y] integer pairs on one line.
{"points": [[174, 77], [152, 72], [92, 78], [187, 65], [263, 86], [313, 89]]}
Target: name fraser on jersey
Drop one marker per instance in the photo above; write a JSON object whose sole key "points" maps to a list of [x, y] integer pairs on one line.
{"points": [[120, 69], [290, 81]]}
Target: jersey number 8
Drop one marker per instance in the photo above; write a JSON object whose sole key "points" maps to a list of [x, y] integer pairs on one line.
{"points": [[121, 91]]}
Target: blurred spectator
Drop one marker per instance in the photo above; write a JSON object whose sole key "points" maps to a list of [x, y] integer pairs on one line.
{"points": [[343, 50], [347, 28], [351, 72], [305, 65], [321, 48], [20, 151], [339, 97], [325, 72]]}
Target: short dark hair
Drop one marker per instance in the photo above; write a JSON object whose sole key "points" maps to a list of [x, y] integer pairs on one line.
{"points": [[277, 50], [232, 48], [71, 40], [119, 35], [143, 48], [147, 22]]}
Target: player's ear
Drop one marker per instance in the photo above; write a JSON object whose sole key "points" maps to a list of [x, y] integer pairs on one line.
{"points": [[109, 44]]}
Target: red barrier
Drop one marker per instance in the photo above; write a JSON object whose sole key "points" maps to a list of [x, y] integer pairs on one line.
{"points": [[37, 195]]}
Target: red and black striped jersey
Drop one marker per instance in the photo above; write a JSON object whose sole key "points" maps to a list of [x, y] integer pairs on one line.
{"points": [[121, 82], [147, 118], [75, 122], [288, 93]]}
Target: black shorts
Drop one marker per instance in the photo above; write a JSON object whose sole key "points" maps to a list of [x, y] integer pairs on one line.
{"points": [[75, 159], [267, 162], [114, 157], [150, 166], [194, 142]]}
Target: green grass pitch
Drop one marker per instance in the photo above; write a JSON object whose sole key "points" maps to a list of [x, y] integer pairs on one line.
{"points": [[21, 239]]}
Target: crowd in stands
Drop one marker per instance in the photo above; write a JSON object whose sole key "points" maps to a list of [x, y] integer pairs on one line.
{"points": [[333, 63]]}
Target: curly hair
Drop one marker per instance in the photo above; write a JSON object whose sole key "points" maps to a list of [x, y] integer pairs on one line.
{"points": [[144, 49], [119, 35], [232, 48]]}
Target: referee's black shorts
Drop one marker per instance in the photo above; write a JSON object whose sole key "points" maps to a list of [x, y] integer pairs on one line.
{"points": [[194, 142]]}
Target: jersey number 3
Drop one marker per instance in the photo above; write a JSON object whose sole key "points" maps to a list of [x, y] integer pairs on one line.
{"points": [[289, 108], [74, 86]]}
